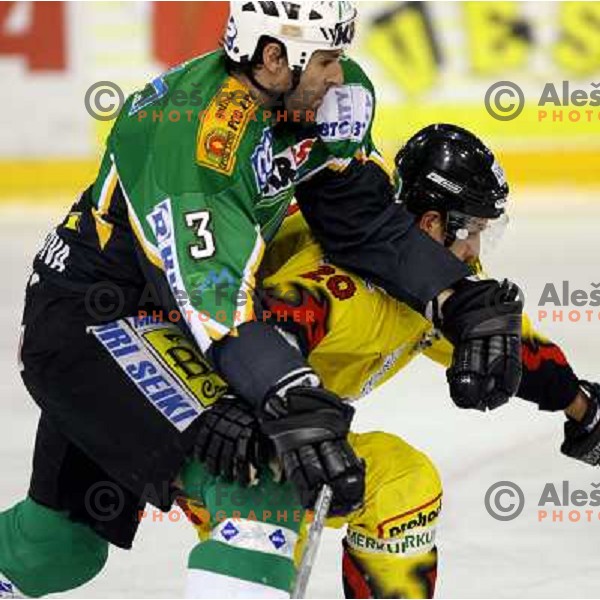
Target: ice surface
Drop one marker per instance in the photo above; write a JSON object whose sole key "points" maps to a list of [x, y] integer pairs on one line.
{"points": [[554, 236]]}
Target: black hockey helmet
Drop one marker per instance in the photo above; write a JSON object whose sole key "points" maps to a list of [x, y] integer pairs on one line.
{"points": [[445, 167]]}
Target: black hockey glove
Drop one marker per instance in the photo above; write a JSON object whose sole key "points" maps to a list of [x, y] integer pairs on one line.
{"points": [[308, 426], [229, 441], [582, 439], [483, 321]]}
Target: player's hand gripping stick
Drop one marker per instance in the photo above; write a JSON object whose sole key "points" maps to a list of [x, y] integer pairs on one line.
{"points": [[308, 426]]}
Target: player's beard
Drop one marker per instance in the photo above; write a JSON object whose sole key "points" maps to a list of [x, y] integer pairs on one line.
{"points": [[300, 103]]}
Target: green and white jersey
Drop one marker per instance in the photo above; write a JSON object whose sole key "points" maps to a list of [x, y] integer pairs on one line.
{"points": [[195, 181]]}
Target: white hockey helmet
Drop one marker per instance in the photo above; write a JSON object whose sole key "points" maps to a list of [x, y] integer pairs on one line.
{"points": [[303, 27]]}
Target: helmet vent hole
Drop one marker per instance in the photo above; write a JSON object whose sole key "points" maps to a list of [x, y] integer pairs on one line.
{"points": [[249, 7]]}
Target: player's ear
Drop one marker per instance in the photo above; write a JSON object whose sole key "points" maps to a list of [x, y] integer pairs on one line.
{"points": [[273, 58], [432, 224]]}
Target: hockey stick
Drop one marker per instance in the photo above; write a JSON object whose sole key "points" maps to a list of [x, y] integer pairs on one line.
{"points": [[312, 543]]}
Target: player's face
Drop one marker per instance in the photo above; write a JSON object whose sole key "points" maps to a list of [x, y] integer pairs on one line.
{"points": [[323, 72], [467, 247]]}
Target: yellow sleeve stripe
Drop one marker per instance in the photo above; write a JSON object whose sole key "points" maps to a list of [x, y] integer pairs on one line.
{"points": [[108, 188], [104, 229]]}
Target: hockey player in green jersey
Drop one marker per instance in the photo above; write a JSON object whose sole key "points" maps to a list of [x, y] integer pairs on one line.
{"points": [[178, 219]]}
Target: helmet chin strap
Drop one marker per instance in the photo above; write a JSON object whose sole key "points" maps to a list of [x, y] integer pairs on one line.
{"points": [[449, 239], [449, 233]]}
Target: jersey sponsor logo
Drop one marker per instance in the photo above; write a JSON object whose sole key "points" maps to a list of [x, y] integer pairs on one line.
{"points": [[420, 518], [218, 146], [154, 380], [222, 127], [282, 176], [278, 539], [54, 252], [6, 587], [181, 357], [258, 536], [262, 159], [418, 541], [153, 92], [185, 363], [229, 531], [301, 151], [388, 364], [345, 114], [274, 174], [286, 166], [161, 222]]}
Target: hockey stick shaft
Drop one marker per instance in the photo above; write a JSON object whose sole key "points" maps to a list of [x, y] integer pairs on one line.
{"points": [[312, 543]]}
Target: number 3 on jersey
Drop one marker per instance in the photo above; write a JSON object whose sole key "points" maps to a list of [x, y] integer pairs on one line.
{"points": [[198, 221]]}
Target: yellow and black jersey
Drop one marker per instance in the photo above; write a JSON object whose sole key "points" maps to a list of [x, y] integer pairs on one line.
{"points": [[356, 336]]}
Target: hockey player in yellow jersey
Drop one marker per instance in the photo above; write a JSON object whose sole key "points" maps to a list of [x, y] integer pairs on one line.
{"points": [[356, 337]]}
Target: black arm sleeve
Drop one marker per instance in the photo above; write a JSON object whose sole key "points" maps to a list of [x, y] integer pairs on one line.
{"points": [[254, 360], [360, 227]]}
